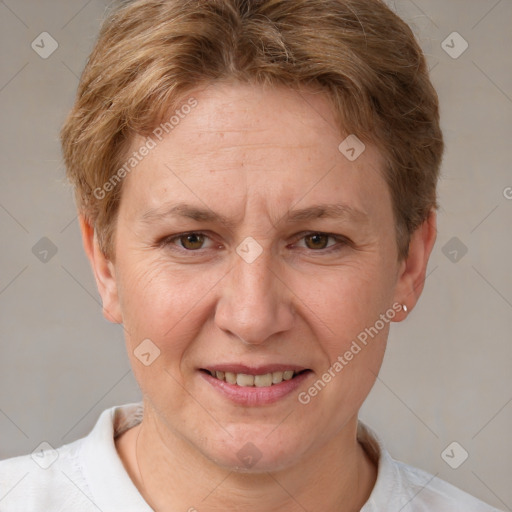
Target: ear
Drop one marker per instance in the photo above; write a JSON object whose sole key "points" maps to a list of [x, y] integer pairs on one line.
{"points": [[412, 271], [104, 272]]}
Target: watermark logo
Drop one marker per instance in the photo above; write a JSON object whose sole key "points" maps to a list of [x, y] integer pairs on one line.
{"points": [[249, 455], [147, 352], [249, 250], [352, 148], [45, 455], [454, 45], [454, 455], [44, 45], [44, 250], [454, 250]]}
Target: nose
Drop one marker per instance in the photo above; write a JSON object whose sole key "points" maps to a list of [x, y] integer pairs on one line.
{"points": [[255, 302]]}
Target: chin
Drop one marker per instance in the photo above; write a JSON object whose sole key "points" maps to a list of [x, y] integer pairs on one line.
{"points": [[252, 452]]}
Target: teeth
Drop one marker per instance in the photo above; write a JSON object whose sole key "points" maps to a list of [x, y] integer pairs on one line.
{"points": [[277, 377], [260, 381], [230, 378], [245, 380]]}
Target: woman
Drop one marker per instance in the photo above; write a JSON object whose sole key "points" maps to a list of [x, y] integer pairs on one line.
{"points": [[256, 184]]}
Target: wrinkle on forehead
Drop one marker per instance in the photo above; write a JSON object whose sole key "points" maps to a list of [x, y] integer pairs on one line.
{"points": [[240, 153]]}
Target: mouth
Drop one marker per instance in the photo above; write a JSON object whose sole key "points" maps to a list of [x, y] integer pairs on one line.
{"points": [[257, 380], [251, 386]]}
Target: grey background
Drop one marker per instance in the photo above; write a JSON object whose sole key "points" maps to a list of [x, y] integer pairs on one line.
{"points": [[446, 376]]}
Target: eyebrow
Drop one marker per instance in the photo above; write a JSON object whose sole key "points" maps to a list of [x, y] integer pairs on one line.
{"points": [[321, 211]]}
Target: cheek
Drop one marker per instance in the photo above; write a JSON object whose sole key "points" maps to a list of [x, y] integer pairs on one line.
{"points": [[348, 298], [144, 292], [163, 305], [345, 306], [162, 302]]}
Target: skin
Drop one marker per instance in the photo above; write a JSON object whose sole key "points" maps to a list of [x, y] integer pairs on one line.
{"points": [[254, 155]]}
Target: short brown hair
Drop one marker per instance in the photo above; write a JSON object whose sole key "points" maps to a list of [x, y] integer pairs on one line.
{"points": [[151, 53]]}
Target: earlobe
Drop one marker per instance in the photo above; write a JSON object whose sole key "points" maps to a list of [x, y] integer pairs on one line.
{"points": [[412, 275], [104, 272]]}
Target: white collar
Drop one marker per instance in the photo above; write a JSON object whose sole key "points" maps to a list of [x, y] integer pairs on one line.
{"points": [[109, 483]]}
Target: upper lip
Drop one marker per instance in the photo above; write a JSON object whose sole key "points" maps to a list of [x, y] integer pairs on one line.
{"points": [[253, 370]]}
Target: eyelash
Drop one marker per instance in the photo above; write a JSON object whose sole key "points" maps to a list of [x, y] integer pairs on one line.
{"points": [[341, 241]]}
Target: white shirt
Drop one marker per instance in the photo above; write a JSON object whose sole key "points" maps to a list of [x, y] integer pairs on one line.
{"points": [[87, 475]]}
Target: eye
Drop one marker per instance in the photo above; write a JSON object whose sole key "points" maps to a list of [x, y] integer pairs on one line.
{"points": [[318, 241], [193, 241]]}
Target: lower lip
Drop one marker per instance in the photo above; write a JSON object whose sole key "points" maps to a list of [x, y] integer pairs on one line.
{"points": [[256, 396]]}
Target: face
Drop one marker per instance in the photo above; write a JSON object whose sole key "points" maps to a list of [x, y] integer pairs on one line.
{"points": [[248, 244]]}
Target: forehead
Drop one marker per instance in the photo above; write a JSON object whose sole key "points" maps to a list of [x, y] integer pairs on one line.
{"points": [[244, 142]]}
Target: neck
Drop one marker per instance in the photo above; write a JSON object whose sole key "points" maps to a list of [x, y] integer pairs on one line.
{"points": [[337, 478]]}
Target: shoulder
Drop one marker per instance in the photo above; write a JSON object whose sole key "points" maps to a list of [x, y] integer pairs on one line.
{"points": [[409, 489], [48, 479], [83, 476], [433, 493]]}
